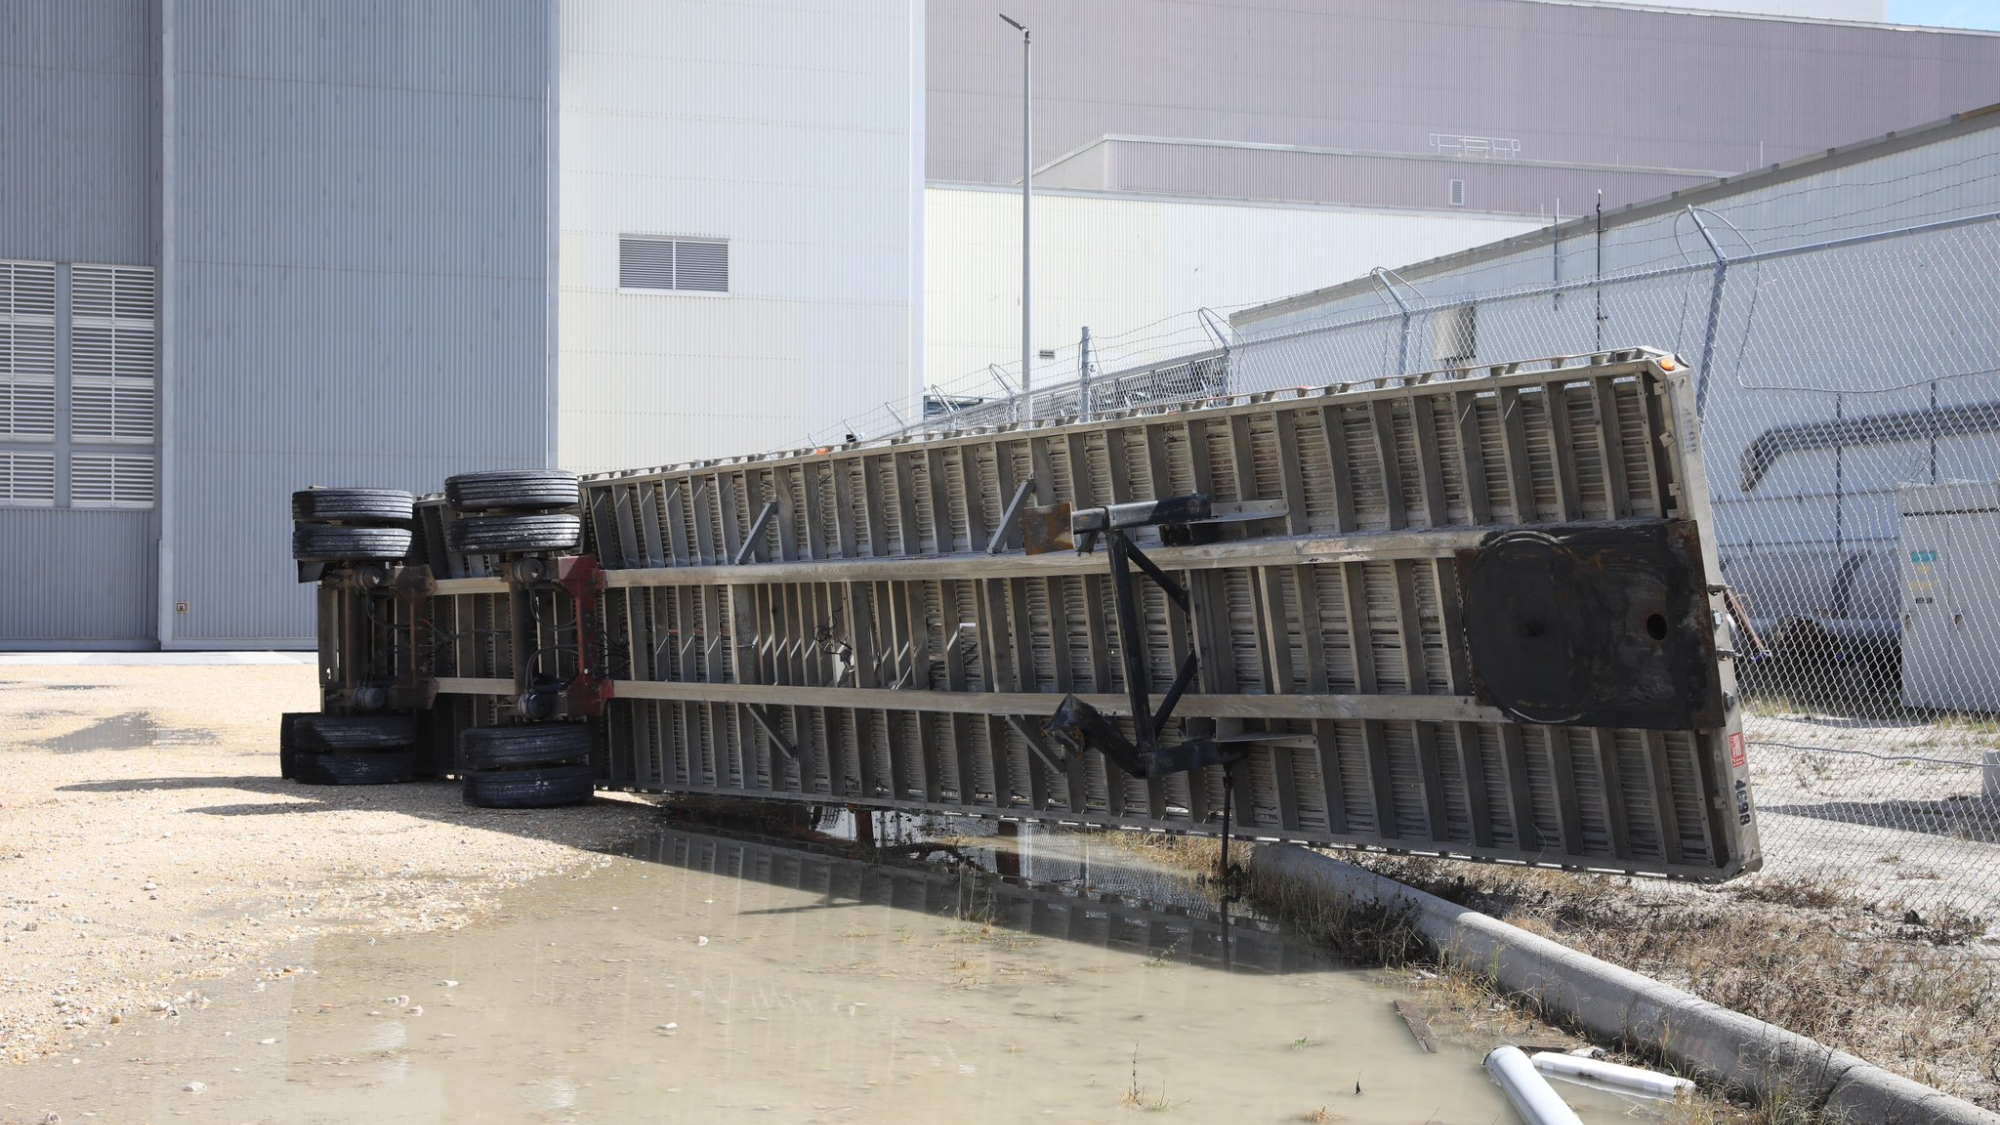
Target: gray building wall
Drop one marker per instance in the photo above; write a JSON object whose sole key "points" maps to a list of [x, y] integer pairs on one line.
{"points": [[356, 272], [351, 215], [76, 154], [77, 161], [1573, 83], [1386, 180], [76, 578]]}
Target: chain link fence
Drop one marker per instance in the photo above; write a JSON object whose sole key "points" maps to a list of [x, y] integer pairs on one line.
{"points": [[1842, 384]]}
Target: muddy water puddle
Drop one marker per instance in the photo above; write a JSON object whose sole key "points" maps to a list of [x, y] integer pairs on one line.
{"points": [[704, 977]]}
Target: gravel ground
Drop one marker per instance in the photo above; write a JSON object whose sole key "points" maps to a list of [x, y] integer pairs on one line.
{"points": [[147, 844], [1890, 810]]}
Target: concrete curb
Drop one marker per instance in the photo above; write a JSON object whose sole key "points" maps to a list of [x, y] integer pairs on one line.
{"points": [[1620, 1005]]}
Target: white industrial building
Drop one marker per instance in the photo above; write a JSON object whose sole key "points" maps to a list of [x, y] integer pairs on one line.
{"points": [[780, 147], [244, 252], [1130, 267], [1836, 312]]}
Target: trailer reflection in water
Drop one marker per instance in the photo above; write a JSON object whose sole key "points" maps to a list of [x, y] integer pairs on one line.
{"points": [[1019, 877], [704, 977]]}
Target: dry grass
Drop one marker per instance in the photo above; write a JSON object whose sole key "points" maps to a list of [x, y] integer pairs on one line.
{"points": [[1200, 855], [1904, 994], [1901, 991]]}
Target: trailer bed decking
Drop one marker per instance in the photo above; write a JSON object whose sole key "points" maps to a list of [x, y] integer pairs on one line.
{"points": [[1468, 613]]}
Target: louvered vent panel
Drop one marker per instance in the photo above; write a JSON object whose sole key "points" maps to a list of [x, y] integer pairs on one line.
{"points": [[116, 412], [702, 267], [645, 263], [27, 289], [27, 350], [673, 264], [27, 410], [28, 480], [111, 480], [107, 351], [112, 292], [114, 354]]}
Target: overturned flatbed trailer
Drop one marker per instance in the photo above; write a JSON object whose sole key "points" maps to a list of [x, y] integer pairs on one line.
{"points": [[1473, 613]]}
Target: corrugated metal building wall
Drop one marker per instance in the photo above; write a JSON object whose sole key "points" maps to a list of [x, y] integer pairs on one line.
{"points": [[1946, 171], [783, 139], [77, 168], [313, 235], [356, 266], [1573, 83]]}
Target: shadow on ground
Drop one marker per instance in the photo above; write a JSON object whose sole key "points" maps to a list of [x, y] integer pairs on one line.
{"points": [[146, 784], [1975, 819]]}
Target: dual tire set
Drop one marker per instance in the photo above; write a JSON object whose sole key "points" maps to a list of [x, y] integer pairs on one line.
{"points": [[500, 512], [319, 749], [351, 524], [525, 766], [516, 510], [535, 766], [531, 766]]}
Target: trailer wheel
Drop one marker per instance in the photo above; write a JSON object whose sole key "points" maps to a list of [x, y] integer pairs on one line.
{"points": [[379, 768], [317, 733], [322, 543], [537, 744], [287, 752], [511, 488], [545, 788], [353, 505], [493, 535]]}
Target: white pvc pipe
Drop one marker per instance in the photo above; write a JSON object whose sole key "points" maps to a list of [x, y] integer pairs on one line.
{"points": [[1631, 1079], [1534, 1099]]}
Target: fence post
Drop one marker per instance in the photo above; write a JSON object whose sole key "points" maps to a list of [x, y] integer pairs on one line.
{"points": [[1208, 321], [1083, 377], [1714, 314], [1382, 277], [1007, 392]]}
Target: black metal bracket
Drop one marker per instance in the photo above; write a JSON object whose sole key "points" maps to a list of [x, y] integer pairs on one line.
{"points": [[1594, 625], [1078, 726]]}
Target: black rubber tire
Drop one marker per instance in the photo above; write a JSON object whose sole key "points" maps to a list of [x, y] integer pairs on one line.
{"points": [[320, 543], [354, 505], [493, 535], [380, 768], [287, 751], [535, 744], [511, 488], [318, 734], [545, 788]]}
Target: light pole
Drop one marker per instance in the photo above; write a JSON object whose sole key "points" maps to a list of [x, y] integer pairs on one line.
{"points": [[1027, 207]]}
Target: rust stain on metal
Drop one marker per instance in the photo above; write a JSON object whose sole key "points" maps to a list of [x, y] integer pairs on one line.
{"points": [[1046, 529]]}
